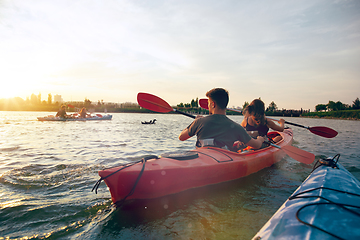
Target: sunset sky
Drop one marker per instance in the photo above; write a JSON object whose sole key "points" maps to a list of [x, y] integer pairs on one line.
{"points": [[295, 53]]}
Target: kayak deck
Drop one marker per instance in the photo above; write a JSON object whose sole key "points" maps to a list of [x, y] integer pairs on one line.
{"points": [[325, 206], [156, 177]]}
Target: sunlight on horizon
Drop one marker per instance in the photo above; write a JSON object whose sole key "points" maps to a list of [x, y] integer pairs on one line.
{"points": [[11, 88]]}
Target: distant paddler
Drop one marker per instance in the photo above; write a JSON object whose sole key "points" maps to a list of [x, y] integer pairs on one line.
{"points": [[62, 112], [83, 113]]}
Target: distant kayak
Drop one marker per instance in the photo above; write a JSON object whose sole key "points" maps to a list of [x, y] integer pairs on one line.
{"points": [[325, 206], [154, 177], [97, 117]]}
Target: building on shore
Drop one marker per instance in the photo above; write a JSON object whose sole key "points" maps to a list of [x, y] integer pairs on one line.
{"points": [[58, 98]]}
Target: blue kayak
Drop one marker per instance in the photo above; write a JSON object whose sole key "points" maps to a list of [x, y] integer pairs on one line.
{"points": [[325, 206], [98, 117]]}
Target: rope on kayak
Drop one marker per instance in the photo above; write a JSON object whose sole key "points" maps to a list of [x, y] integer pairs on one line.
{"points": [[121, 202], [343, 206], [331, 163], [97, 184]]}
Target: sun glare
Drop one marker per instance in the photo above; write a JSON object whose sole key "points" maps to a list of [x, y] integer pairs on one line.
{"points": [[13, 89]]}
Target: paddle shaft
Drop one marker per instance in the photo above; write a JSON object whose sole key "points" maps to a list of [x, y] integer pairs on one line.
{"points": [[294, 124], [184, 113]]}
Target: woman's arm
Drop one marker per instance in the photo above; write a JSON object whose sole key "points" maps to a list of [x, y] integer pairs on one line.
{"points": [[274, 126]]}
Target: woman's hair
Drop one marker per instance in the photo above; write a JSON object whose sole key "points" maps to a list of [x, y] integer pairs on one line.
{"points": [[257, 109], [220, 96]]}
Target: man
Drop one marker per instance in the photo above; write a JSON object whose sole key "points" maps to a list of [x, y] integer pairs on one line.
{"points": [[217, 129], [62, 113]]}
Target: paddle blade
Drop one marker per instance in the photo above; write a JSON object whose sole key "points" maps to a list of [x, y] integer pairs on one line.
{"points": [[298, 154], [70, 106], [153, 103], [323, 131], [204, 103]]}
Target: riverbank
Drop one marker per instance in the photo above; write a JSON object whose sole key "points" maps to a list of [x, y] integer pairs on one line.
{"points": [[343, 114]]}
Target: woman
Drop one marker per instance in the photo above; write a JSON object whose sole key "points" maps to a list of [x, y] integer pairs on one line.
{"points": [[83, 113], [255, 121]]}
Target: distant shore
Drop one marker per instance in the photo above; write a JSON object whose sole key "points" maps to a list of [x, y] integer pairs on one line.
{"points": [[17, 104], [342, 114]]}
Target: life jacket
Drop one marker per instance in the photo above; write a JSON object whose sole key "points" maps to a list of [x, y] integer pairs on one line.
{"points": [[210, 142]]}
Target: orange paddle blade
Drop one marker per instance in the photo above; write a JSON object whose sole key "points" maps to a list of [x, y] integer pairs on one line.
{"points": [[298, 154]]}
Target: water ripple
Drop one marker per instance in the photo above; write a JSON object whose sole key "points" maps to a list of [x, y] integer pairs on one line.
{"points": [[47, 171]]}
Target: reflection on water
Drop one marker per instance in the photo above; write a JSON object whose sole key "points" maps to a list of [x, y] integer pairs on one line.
{"points": [[48, 169]]}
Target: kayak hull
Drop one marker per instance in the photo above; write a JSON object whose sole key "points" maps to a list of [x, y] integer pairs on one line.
{"points": [[316, 209], [166, 175], [94, 118]]}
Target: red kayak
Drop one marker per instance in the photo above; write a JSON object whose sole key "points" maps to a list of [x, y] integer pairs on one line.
{"points": [[154, 177]]}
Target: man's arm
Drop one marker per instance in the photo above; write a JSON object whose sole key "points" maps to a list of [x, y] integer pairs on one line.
{"points": [[184, 135], [256, 143]]}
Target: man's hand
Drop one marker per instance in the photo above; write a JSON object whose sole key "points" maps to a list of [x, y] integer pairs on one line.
{"points": [[262, 139]]}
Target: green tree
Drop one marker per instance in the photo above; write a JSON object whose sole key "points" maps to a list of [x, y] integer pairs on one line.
{"points": [[320, 107], [180, 105], [49, 98], [331, 106], [272, 107], [87, 103], [340, 106], [335, 106], [194, 103], [356, 104], [245, 105]]}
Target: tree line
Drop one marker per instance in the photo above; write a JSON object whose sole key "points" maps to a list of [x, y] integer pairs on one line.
{"points": [[338, 106], [34, 103]]}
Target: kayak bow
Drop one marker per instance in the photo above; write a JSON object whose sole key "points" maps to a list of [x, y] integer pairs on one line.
{"points": [[325, 206]]}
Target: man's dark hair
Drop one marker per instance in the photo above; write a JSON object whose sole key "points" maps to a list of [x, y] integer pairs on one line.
{"points": [[220, 96]]}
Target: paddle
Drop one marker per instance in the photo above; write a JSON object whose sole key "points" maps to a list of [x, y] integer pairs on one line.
{"points": [[297, 154], [156, 104], [321, 131], [70, 106]]}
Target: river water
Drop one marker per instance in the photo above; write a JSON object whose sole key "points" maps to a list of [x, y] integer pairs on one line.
{"points": [[47, 171]]}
